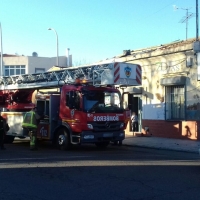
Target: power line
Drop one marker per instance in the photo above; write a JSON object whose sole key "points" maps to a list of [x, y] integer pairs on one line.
{"points": [[161, 9]]}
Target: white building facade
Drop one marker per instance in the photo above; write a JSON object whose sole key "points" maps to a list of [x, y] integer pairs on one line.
{"points": [[16, 65]]}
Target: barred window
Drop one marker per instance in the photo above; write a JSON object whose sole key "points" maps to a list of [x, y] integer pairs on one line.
{"points": [[10, 70], [175, 102]]}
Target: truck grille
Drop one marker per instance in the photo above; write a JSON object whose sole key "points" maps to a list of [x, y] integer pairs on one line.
{"points": [[106, 126]]}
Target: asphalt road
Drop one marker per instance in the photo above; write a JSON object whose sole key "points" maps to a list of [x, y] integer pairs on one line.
{"points": [[87, 173]]}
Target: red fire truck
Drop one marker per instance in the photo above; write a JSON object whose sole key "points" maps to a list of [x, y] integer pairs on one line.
{"points": [[84, 106]]}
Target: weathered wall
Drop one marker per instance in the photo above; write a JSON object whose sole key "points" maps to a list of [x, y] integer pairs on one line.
{"points": [[168, 61]]}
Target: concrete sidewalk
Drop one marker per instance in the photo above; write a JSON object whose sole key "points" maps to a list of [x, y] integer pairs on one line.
{"points": [[163, 143]]}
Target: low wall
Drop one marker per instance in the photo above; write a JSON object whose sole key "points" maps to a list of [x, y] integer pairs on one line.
{"points": [[173, 129]]}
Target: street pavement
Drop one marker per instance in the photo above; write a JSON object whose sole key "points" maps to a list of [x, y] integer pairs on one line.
{"points": [[163, 143], [158, 143]]}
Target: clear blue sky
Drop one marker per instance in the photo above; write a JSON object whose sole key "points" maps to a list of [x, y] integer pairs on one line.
{"points": [[92, 29]]}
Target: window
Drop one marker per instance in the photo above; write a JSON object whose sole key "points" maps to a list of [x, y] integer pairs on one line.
{"points": [[73, 99], [39, 70], [175, 102], [102, 101], [10, 70]]}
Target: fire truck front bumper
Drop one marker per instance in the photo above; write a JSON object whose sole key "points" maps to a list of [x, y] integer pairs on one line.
{"points": [[92, 137]]}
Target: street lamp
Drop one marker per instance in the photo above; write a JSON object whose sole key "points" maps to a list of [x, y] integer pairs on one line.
{"points": [[1, 51], [56, 42]]}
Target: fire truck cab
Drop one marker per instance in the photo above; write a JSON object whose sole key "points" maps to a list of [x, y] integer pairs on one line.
{"points": [[82, 114]]}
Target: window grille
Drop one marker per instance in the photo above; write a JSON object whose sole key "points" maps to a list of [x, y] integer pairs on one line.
{"points": [[175, 102]]}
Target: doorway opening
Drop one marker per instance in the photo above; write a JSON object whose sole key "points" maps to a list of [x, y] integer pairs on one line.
{"points": [[135, 105]]}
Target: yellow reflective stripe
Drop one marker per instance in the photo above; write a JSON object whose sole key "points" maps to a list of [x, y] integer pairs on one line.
{"points": [[69, 120], [26, 125], [29, 120]]}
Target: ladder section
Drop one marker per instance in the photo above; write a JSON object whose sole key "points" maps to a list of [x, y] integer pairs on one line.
{"points": [[98, 75]]}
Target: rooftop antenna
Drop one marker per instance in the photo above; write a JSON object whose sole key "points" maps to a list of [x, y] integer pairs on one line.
{"points": [[185, 18]]}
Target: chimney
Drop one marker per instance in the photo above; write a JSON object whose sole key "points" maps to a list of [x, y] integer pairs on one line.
{"points": [[68, 57]]}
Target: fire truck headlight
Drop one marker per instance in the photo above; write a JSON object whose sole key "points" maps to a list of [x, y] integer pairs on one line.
{"points": [[90, 126], [121, 135], [122, 125]]}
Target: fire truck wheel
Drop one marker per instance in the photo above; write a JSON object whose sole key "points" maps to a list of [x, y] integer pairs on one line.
{"points": [[9, 139], [102, 145], [62, 139]]}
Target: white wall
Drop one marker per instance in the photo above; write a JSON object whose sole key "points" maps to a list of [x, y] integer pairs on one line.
{"points": [[19, 60], [153, 111]]}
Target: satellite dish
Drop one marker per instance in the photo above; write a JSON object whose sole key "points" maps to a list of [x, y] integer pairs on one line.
{"points": [[34, 54]]}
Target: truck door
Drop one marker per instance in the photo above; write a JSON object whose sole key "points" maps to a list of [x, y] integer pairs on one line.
{"points": [[50, 108], [54, 113]]}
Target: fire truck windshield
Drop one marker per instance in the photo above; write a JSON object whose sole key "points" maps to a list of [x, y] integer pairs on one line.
{"points": [[102, 102]]}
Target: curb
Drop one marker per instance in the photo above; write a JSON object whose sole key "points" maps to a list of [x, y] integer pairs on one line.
{"points": [[162, 148]]}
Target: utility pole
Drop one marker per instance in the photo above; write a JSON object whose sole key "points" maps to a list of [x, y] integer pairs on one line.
{"points": [[197, 21]]}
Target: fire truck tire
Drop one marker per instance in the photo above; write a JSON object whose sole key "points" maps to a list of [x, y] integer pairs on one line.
{"points": [[102, 145], [9, 139], [62, 139]]}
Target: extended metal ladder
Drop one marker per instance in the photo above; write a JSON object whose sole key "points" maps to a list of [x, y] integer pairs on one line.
{"points": [[58, 78], [115, 73]]}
